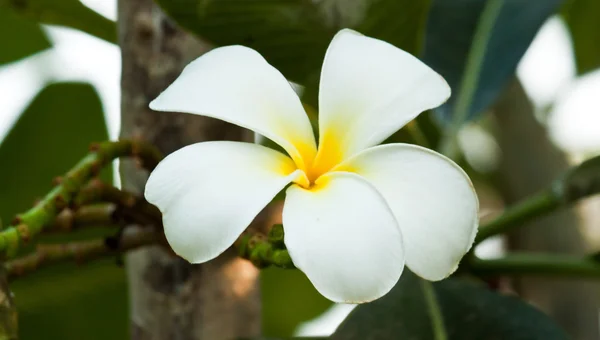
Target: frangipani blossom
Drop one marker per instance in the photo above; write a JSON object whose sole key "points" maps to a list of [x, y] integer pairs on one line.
{"points": [[355, 213]]}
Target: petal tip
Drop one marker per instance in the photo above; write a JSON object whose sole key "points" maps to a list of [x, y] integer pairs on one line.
{"points": [[344, 31], [155, 105], [447, 89]]}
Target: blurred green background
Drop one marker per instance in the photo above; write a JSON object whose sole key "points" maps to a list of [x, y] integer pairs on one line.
{"points": [[56, 127]]}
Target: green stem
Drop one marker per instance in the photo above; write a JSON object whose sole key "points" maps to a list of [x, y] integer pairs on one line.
{"points": [[537, 265], [577, 183], [435, 313], [534, 206], [468, 85], [33, 221]]}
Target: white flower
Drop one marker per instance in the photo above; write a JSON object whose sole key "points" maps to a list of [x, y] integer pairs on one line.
{"points": [[355, 213]]}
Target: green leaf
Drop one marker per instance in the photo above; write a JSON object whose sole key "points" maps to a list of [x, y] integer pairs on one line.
{"points": [[288, 299], [19, 38], [70, 302], [448, 38], [450, 309], [294, 34], [52, 134], [581, 17], [69, 13]]}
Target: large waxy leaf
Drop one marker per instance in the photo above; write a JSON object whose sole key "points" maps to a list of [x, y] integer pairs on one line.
{"points": [[581, 17], [51, 135], [69, 13], [294, 34], [19, 38], [449, 34], [450, 309]]}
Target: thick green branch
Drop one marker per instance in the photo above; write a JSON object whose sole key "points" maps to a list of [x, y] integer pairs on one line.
{"points": [[79, 252], [579, 182], [99, 215], [514, 216], [537, 265], [129, 206], [33, 221]]}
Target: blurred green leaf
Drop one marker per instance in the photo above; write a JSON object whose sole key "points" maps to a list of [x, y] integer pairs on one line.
{"points": [[69, 13], [285, 32], [70, 302], [294, 34], [465, 310], [19, 38], [581, 17], [288, 299], [449, 35], [51, 135]]}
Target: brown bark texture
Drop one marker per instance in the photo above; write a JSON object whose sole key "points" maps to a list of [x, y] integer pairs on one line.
{"points": [[169, 298], [530, 162]]}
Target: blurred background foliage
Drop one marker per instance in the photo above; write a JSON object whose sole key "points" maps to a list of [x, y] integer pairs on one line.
{"points": [[405, 312], [581, 17], [54, 131], [31, 38]]}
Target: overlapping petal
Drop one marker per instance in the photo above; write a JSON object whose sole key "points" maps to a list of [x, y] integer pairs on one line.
{"points": [[432, 199], [209, 193], [237, 85], [344, 237], [369, 89]]}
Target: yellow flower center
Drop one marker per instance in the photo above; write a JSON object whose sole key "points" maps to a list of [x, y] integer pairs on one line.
{"points": [[329, 155]]}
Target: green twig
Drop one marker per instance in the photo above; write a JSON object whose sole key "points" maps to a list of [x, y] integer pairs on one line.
{"points": [[129, 205], [468, 85], [568, 266], [100, 215], [577, 183], [534, 206], [32, 222], [79, 252], [437, 320]]}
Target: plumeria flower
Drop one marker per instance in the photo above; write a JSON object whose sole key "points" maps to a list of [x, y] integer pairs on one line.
{"points": [[355, 213]]}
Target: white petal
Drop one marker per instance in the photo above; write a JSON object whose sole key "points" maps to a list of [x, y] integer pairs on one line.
{"points": [[343, 236], [237, 85], [432, 198], [369, 89], [209, 193]]}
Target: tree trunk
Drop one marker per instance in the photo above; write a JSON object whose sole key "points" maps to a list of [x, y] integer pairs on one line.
{"points": [[169, 298], [530, 162]]}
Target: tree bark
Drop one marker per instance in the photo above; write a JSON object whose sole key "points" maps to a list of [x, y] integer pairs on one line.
{"points": [[169, 298], [530, 162]]}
